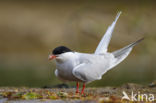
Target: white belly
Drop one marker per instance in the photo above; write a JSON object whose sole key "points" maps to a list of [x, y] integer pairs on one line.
{"points": [[64, 71]]}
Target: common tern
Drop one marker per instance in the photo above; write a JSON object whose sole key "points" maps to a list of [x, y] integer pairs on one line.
{"points": [[85, 67]]}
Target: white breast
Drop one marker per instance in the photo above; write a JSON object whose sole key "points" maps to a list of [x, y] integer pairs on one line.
{"points": [[65, 65]]}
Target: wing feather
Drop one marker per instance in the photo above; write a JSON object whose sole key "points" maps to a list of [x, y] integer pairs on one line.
{"points": [[103, 45], [122, 53], [86, 72], [94, 70]]}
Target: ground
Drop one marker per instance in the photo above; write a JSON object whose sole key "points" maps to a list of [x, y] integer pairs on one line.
{"points": [[92, 95]]}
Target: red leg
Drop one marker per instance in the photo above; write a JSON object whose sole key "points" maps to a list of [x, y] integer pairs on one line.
{"points": [[82, 92], [77, 87]]}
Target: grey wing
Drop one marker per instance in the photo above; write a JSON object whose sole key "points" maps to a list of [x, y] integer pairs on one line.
{"points": [[122, 53], [94, 69], [86, 72], [103, 45]]}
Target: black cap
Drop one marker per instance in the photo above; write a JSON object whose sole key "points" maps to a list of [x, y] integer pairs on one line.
{"points": [[60, 50]]}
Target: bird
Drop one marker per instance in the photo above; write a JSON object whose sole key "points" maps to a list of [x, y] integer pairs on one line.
{"points": [[87, 67]]}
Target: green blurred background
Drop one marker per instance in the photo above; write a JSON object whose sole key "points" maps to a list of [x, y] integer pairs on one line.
{"points": [[30, 30]]}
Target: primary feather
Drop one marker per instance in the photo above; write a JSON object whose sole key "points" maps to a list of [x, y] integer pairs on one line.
{"points": [[103, 45], [122, 53]]}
